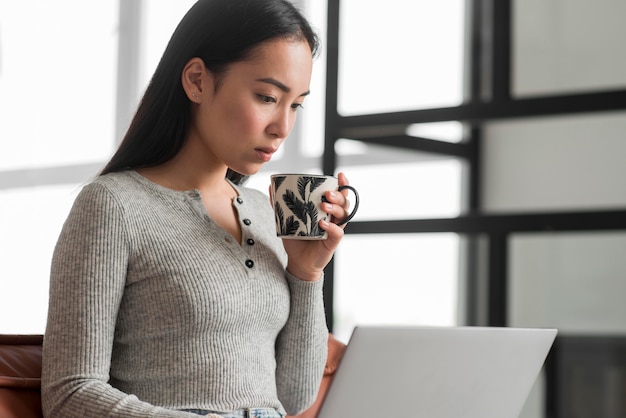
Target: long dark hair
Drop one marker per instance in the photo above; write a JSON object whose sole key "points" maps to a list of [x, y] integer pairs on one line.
{"points": [[220, 32]]}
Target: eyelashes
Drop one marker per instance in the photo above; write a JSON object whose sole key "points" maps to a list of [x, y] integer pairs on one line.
{"points": [[266, 99], [272, 100]]}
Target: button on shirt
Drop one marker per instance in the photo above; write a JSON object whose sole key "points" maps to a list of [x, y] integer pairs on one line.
{"points": [[246, 231], [250, 253]]}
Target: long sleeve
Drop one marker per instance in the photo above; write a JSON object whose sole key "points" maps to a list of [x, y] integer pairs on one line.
{"points": [[302, 346], [87, 283]]}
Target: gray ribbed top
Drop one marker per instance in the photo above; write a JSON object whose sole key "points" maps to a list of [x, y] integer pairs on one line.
{"points": [[154, 307]]}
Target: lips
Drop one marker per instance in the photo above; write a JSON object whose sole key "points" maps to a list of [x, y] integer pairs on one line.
{"points": [[265, 154]]}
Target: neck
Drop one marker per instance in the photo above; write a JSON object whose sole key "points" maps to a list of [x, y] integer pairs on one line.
{"points": [[180, 175]]}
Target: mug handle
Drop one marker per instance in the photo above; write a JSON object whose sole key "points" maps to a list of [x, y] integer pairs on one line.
{"points": [[356, 204]]}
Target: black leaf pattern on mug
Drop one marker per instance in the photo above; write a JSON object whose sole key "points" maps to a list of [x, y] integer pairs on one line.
{"points": [[296, 205], [314, 229], [305, 212], [311, 211], [302, 183], [278, 180], [288, 226], [312, 182], [291, 226], [280, 215], [316, 182]]}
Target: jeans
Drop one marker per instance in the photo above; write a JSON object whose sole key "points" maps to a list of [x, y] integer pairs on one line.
{"points": [[242, 413]]}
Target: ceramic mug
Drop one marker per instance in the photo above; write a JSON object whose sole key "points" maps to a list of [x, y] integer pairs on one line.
{"points": [[297, 200]]}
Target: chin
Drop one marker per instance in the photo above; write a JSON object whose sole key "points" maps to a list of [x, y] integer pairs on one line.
{"points": [[249, 170]]}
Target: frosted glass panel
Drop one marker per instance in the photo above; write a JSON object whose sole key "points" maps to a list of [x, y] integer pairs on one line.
{"points": [[439, 131], [407, 279], [407, 190], [400, 55], [57, 82], [557, 163], [571, 281], [160, 18], [568, 46], [310, 126], [30, 220]]}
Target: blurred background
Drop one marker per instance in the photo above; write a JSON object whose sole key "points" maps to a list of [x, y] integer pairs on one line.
{"points": [[486, 138]]}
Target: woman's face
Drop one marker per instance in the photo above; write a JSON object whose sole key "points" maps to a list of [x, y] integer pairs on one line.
{"points": [[243, 119]]}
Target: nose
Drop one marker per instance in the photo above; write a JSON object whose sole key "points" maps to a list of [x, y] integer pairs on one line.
{"points": [[282, 122]]}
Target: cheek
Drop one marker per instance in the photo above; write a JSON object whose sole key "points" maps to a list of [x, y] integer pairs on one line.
{"points": [[250, 120], [240, 117]]}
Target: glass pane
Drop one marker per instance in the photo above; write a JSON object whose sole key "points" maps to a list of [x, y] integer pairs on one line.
{"points": [[570, 281], [407, 190], [573, 282], [556, 163], [440, 131], [568, 46], [57, 82], [406, 279], [160, 18], [29, 235], [311, 118], [400, 55]]}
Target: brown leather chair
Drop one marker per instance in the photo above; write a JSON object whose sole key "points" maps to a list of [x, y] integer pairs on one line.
{"points": [[20, 376]]}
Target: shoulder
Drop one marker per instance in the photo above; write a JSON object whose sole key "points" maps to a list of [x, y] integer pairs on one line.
{"points": [[117, 182], [112, 182], [128, 187], [102, 193], [109, 191]]}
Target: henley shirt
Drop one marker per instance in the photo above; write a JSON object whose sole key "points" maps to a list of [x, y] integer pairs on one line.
{"points": [[155, 308]]}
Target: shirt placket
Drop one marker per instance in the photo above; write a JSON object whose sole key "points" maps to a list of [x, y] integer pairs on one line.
{"points": [[248, 244], [244, 252]]}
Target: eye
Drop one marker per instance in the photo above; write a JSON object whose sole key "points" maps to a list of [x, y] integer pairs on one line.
{"points": [[297, 106], [266, 99]]}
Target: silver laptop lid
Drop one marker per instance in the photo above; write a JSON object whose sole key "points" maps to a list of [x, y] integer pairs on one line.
{"points": [[437, 372]]}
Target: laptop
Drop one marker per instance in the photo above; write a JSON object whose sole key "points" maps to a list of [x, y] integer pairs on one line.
{"points": [[437, 372]]}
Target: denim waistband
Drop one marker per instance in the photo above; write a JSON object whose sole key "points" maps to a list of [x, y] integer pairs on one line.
{"points": [[243, 413]]}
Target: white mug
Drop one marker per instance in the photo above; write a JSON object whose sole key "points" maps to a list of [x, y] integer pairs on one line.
{"points": [[297, 200]]}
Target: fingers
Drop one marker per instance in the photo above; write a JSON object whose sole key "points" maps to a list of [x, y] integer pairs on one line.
{"points": [[336, 210], [335, 234], [337, 203], [343, 180]]}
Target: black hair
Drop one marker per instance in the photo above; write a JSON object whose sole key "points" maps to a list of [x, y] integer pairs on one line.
{"points": [[220, 32]]}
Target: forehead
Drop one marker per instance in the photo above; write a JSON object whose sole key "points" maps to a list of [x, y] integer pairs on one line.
{"points": [[286, 60]]}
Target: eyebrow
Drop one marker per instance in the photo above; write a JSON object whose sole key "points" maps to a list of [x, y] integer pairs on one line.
{"points": [[280, 85]]}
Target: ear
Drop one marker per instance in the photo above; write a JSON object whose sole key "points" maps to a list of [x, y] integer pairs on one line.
{"points": [[195, 79]]}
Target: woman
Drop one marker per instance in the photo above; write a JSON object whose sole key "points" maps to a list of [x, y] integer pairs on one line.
{"points": [[170, 294]]}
